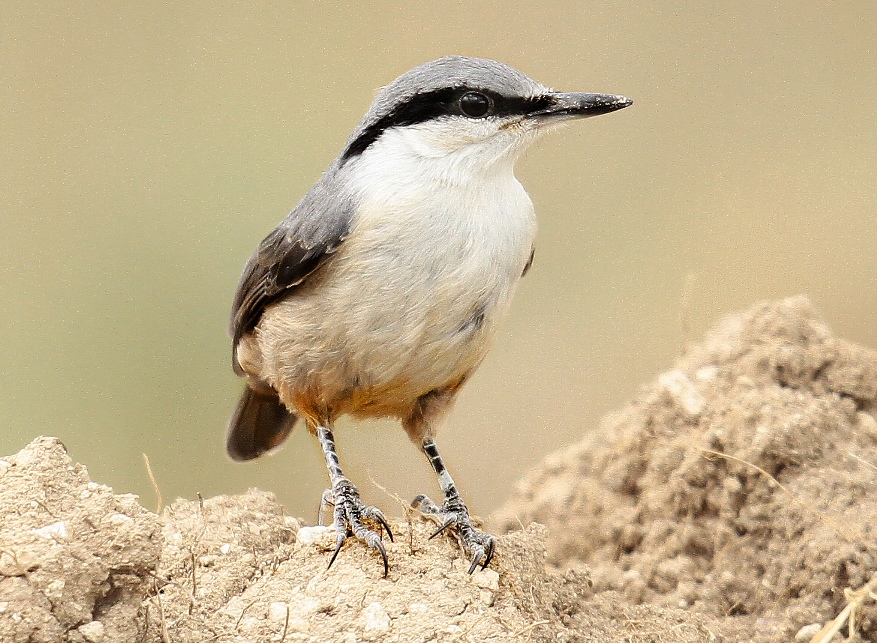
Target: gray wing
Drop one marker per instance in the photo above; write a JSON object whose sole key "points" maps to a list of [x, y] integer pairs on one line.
{"points": [[294, 249]]}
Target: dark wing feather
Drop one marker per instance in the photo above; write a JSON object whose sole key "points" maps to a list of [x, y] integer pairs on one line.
{"points": [[529, 262], [285, 258]]}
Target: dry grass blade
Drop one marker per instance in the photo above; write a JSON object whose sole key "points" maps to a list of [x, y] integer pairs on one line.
{"points": [[406, 509], [165, 635], [856, 599], [838, 529], [154, 484], [531, 626], [862, 460]]}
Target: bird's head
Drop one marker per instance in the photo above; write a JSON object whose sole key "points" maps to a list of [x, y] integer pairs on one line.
{"points": [[467, 112]]}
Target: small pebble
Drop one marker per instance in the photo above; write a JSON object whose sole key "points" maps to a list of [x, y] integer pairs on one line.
{"points": [[486, 579], [808, 632], [377, 620], [57, 530], [278, 611], [118, 520], [92, 632], [311, 535], [684, 391]]}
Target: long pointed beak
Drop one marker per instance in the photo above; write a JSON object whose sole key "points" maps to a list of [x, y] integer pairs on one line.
{"points": [[581, 105]]}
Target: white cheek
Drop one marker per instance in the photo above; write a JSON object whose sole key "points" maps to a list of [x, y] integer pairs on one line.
{"points": [[447, 135]]}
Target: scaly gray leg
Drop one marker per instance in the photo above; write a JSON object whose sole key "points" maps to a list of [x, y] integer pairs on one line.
{"points": [[453, 513], [349, 511]]}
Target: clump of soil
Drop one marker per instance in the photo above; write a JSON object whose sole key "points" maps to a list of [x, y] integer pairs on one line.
{"points": [[75, 559], [740, 485], [79, 564]]}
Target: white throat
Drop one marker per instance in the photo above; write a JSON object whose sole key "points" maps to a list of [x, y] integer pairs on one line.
{"points": [[445, 152], [451, 207]]}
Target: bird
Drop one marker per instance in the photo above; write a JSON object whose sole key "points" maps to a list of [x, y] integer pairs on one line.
{"points": [[380, 292]]}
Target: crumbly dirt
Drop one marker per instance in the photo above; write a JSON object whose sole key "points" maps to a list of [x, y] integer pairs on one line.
{"points": [[740, 485], [79, 564], [75, 558], [651, 536]]}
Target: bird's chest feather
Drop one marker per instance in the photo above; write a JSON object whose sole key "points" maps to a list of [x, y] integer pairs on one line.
{"points": [[428, 270], [445, 252]]}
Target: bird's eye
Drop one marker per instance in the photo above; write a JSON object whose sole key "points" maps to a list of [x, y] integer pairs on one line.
{"points": [[475, 104]]}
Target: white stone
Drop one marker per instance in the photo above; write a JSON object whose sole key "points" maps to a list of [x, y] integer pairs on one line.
{"points": [[4, 605], [278, 611], [225, 548], [298, 624], [706, 373], [248, 624], [867, 423], [312, 535], [119, 520], [307, 607], [486, 579], [807, 632], [377, 621], [55, 588], [684, 391], [92, 632], [314, 584], [417, 608], [55, 531]]}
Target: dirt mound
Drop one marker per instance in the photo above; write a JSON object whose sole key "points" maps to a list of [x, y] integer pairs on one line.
{"points": [[740, 485], [733, 501], [79, 564], [75, 559]]}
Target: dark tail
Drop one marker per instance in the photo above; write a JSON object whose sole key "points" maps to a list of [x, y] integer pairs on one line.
{"points": [[260, 423]]}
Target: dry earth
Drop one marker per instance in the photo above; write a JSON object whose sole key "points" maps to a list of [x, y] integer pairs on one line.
{"points": [[740, 485], [652, 535]]}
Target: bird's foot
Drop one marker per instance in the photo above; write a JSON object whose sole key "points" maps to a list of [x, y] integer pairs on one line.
{"points": [[455, 515], [349, 515]]}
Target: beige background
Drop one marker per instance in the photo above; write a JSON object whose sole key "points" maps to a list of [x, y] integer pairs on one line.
{"points": [[147, 149]]}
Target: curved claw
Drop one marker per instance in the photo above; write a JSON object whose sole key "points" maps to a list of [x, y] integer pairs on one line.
{"points": [[490, 549], [377, 544], [447, 523], [338, 546], [476, 558], [383, 522], [479, 551]]}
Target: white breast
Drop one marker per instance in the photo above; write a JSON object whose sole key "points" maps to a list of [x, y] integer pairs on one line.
{"points": [[437, 241]]}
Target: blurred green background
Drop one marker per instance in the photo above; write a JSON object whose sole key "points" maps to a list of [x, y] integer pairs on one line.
{"points": [[148, 147]]}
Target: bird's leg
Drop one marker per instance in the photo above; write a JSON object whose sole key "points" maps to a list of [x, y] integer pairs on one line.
{"points": [[453, 513], [349, 511]]}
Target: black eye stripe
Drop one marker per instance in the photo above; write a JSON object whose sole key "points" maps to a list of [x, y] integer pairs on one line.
{"points": [[442, 102]]}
